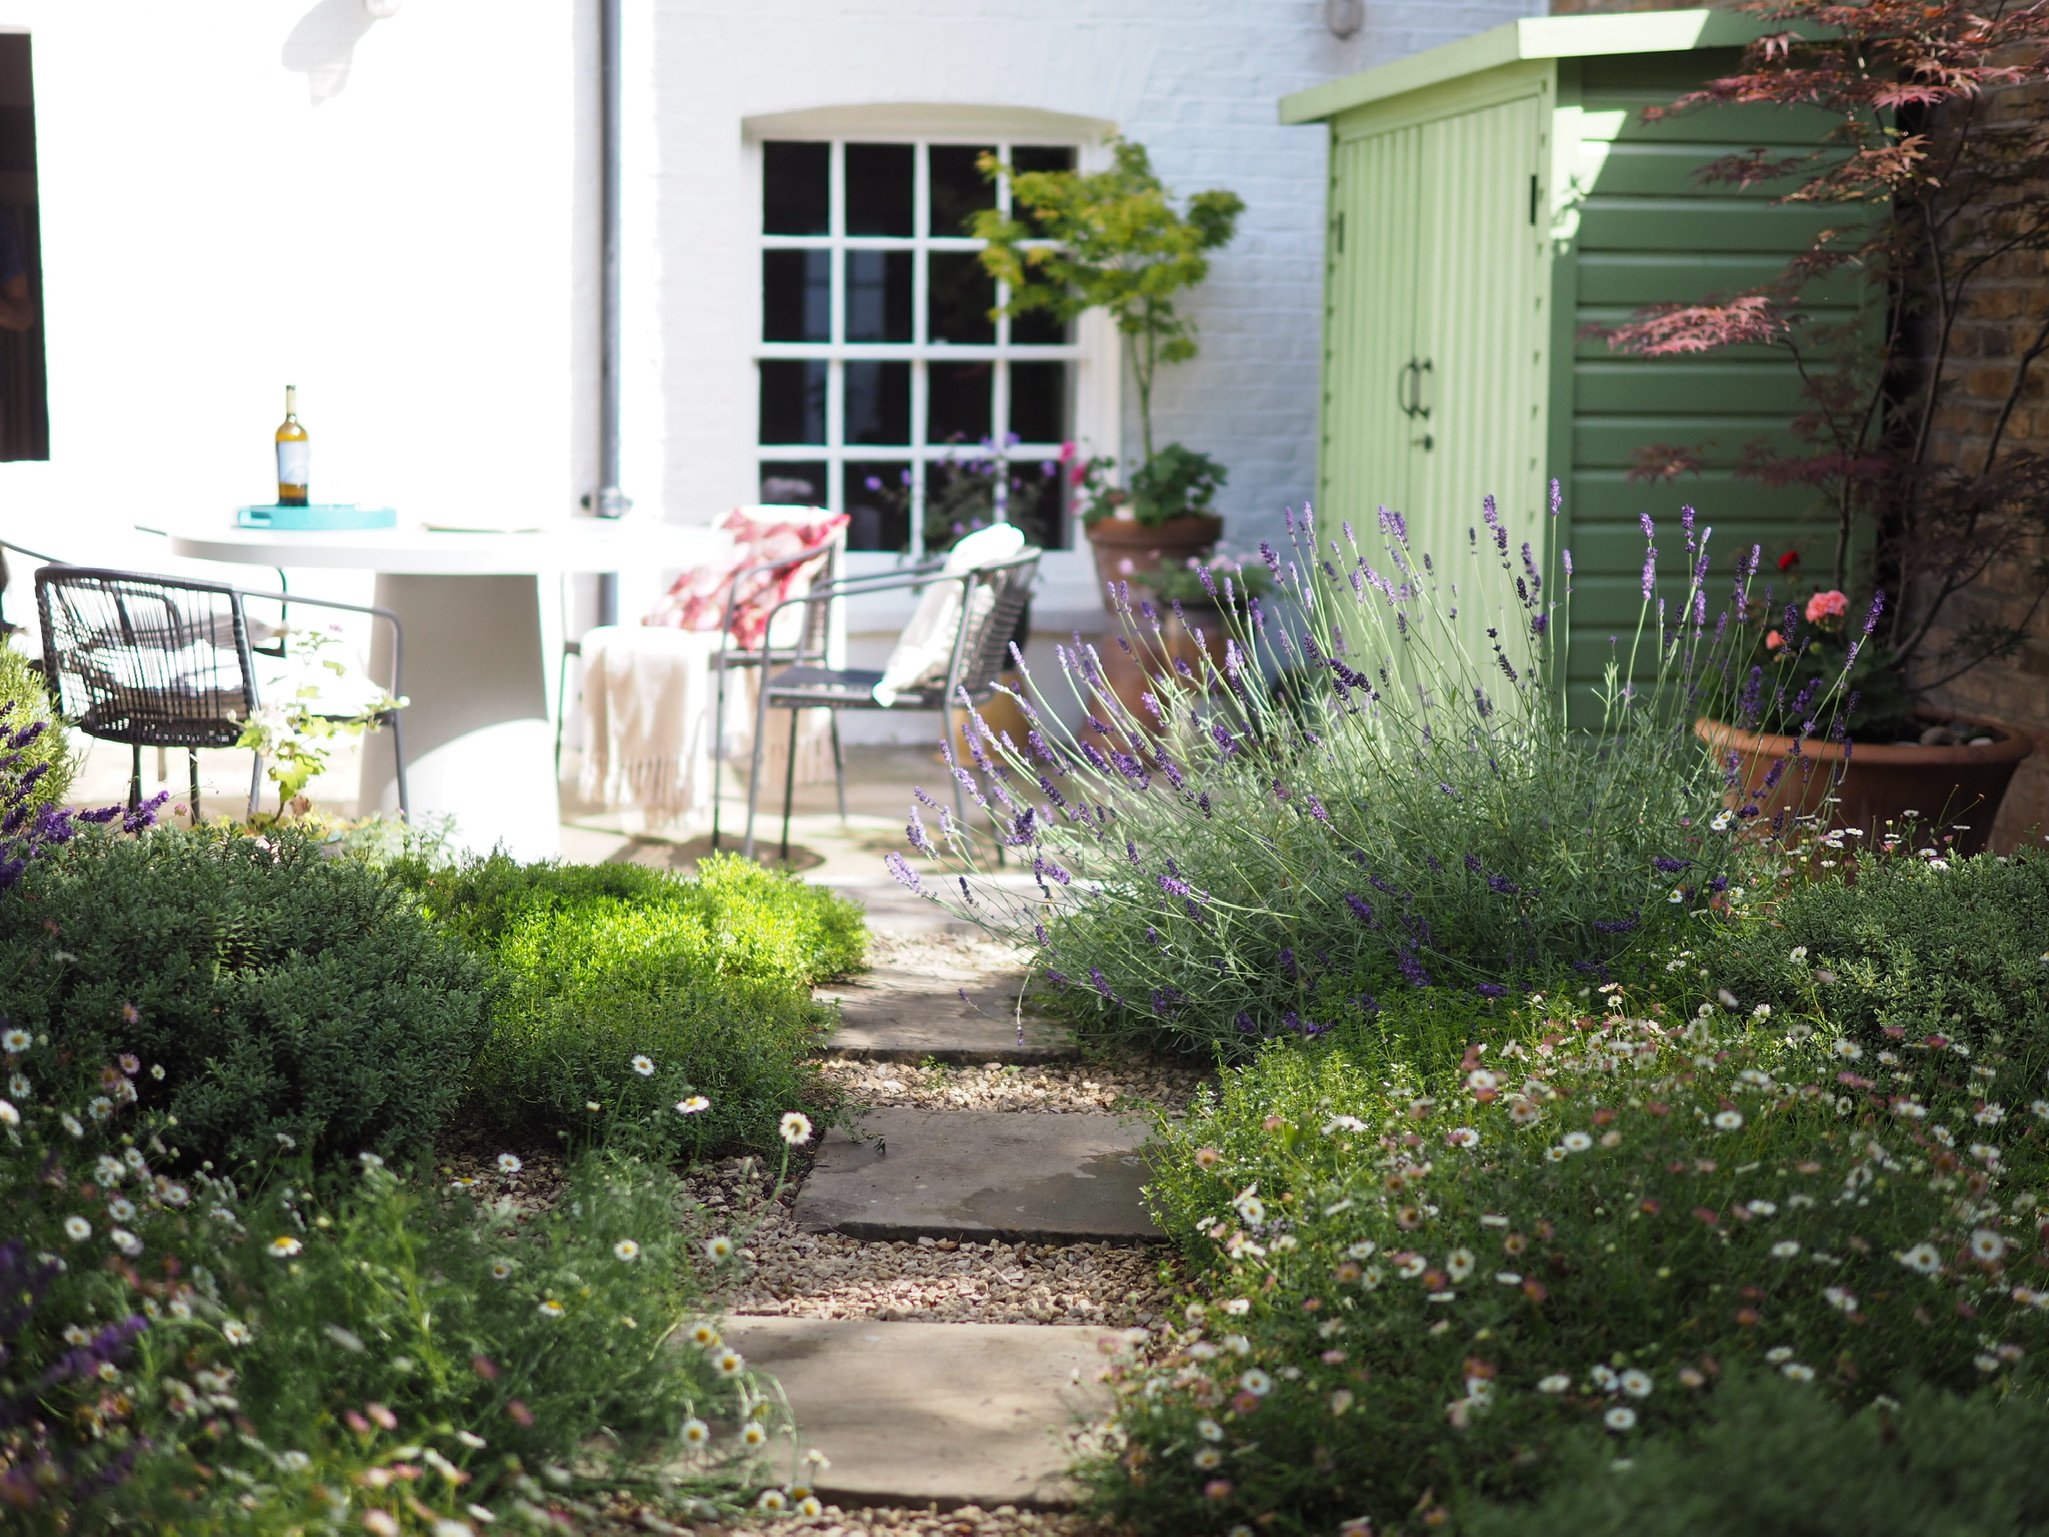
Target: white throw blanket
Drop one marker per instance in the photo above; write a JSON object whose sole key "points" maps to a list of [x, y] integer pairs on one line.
{"points": [[647, 700]]}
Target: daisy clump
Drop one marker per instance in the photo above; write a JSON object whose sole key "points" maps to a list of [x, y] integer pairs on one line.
{"points": [[1648, 1204]]}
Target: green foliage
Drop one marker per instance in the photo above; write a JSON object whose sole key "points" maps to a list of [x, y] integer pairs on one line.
{"points": [[290, 999], [1771, 1457], [1431, 1284], [1174, 482], [1116, 243], [179, 1354], [1378, 784], [24, 701], [637, 992], [1915, 945], [296, 729]]}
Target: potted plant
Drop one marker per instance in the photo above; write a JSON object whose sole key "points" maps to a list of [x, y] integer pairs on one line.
{"points": [[1112, 240], [1908, 436]]}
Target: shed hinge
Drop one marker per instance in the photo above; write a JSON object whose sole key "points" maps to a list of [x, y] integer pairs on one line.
{"points": [[1533, 199]]}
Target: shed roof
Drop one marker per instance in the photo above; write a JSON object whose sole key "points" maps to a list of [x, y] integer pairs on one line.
{"points": [[1542, 37]]}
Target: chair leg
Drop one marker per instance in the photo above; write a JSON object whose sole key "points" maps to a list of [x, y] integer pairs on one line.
{"points": [[255, 784], [789, 782], [754, 767], [398, 767], [134, 775], [839, 764], [561, 708], [192, 762], [718, 748]]}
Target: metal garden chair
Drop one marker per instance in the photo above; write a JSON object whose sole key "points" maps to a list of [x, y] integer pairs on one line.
{"points": [[981, 645], [162, 661]]}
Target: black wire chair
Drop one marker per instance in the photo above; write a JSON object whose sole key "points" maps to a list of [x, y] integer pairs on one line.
{"points": [[162, 661], [981, 647]]}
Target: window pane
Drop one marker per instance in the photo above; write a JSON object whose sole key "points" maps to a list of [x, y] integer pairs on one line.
{"points": [[879, 189], [796, 296], [960, 497], [788, 481], [957, 188], [957, 402], [878, 403], [878, 296], [878, 504], [961, 298], [793, 402], [1038, 328], [796, 188], [1036, 501], [1025, 158], [1038, 402]]}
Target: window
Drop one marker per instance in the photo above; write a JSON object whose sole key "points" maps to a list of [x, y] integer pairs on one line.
{"points": [[882, 380]]}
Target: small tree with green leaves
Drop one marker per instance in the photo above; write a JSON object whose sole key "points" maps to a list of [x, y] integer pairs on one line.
{"points": [[1110, 240]]}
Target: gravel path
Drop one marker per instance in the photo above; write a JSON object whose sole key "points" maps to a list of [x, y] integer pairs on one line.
{"points": [[1060, 1086]]}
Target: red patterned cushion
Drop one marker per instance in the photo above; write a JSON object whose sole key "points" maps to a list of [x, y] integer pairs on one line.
{"points": [[697, 600]]}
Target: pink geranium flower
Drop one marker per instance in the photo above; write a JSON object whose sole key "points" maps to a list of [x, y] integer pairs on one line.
{"points": [[1826, 605]]}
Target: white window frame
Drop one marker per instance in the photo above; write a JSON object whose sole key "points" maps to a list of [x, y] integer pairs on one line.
{"points": [[1067, 577]]}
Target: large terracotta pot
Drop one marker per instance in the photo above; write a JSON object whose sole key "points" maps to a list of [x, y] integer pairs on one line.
{"points": [[1127, 549], [1943, 785], [1150, 665]]}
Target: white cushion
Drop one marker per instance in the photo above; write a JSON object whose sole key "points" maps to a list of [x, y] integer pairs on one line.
{"points": [[925, 649]]}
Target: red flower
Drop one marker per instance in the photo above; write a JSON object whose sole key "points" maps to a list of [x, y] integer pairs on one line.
{"points": [[1789, 560]]}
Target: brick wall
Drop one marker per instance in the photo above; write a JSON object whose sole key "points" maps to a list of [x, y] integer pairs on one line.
{"points": [[2000, 322]]}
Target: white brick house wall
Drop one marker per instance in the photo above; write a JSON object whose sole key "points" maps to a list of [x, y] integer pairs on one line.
{"points": [[1196, 81]]}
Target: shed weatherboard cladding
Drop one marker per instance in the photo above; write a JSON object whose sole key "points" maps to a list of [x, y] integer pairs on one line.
{"points": [[1640, 227], [1547, 119]]}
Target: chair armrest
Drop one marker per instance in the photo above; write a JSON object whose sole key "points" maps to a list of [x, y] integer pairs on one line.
{"points": [[375, 612]]}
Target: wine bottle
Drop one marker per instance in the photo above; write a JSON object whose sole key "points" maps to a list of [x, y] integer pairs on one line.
{"points": [[294, 454]]}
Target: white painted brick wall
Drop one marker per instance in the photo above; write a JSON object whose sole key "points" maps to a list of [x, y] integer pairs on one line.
{"points": [[1196, 81]]}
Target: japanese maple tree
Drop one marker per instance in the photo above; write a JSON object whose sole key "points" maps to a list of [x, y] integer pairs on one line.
{"points": [[1939, 160]]}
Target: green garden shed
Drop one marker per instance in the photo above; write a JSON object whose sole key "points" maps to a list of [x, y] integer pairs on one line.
{"points": [[1491, 199]]}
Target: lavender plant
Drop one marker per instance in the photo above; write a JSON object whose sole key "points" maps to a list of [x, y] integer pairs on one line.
{"points": [[1381, 780]]}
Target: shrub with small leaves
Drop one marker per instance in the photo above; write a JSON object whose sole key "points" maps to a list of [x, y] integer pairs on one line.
{"points": [[1418, 1287], [291, 1000], [631, 997], [1771, 1456], [1917, 944]]}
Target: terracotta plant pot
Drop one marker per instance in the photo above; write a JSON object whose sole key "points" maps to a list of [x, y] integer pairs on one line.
{"points": [[1882, 782], [1127, 549]]}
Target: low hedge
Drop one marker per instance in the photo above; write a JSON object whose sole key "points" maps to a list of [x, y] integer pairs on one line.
{"points": [[627, 993]]}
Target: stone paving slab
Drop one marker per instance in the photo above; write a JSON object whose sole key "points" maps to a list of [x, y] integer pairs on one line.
{"points": [[894, 1014], [946, 1414], [980, 1175]]}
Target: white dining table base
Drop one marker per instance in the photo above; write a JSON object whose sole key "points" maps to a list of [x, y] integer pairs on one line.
{"points": [[478, 738]]}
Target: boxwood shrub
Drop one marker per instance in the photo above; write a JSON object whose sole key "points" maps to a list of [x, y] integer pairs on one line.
{"points": [[627, 992], [291, 1000]]}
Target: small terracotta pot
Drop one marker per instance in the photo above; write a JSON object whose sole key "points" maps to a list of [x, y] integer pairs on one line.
{"points": [[1880, 783], [1127, 549]]}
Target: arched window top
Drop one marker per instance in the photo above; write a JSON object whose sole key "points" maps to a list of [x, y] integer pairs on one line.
{"points": [[927, 119]]}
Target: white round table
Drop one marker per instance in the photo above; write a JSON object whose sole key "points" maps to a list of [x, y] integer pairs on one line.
{"points": [[482, 630]]}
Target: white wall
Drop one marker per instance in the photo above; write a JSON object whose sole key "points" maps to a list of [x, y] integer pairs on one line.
{"points": [[397, 216]]}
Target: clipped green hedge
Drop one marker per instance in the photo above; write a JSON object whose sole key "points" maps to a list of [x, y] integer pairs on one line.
{"points": [[637, 991], [291, 999], [1771, 1458], [1914, 945]]}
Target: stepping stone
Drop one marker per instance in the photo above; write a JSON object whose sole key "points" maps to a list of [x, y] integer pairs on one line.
{"points": [[893, 1014], [946, 1414], [979, 1175]]}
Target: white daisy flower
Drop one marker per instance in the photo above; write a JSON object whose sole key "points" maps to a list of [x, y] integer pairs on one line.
{"points": [[1797, 1372], [1841, 1298], [1987, 1247], [1620, 1418], [72, 1125], [508, 1163], [550, 1308], [236, 1332], [285, 1247], [695, 1432], [718, 1249], [728, 1363], [125, 1241], [1206, 1458], [1557, 1382], [1256, 1382], [1209, 1430], [692, 1105], [754, 1435], [1785, 1248], [1636, 1384], [501, 1269], [645, 1066], [626, 1249], [1575, 1142], [77, 1229], [795, 1128], [1459, 1264], [1729, 1120], [15, 1042]]}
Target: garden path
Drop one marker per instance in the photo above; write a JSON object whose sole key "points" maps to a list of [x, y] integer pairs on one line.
{"points": [[985, 1146]]}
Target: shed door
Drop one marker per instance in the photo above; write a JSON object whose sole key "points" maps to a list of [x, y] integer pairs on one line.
{"points": [[1431, 368], [1370, 337]]}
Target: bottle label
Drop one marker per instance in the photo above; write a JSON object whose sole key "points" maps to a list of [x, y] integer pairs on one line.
{"points": [[294, 463]]}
